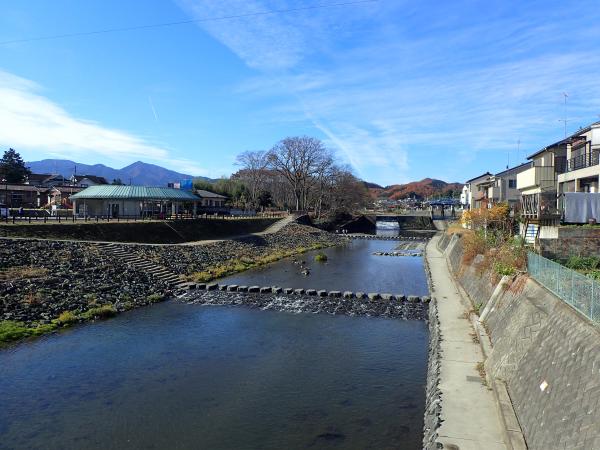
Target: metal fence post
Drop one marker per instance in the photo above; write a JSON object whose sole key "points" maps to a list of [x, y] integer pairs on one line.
{"points": [[572, 287], [593, 301]]}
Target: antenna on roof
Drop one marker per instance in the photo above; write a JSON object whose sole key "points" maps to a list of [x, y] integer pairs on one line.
{"points": [[565, 120]]}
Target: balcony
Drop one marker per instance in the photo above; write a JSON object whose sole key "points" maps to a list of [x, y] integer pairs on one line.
{"points": [[541, 206], [583, 161], [543, 177]]}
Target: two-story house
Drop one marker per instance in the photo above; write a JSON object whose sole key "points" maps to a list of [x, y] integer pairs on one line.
{"points": [[538, 184], [474, 194], [502, 187], [583, 169]]}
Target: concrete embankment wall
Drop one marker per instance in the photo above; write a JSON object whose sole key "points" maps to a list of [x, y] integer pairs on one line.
{"points": [[170, 232], [547, 354]]}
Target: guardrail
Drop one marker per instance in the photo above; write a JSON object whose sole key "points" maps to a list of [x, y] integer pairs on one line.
{"points": [[15, 219], [579, 291]]}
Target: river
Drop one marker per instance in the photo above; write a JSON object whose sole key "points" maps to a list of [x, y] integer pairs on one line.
{"points": [[182, 376]]}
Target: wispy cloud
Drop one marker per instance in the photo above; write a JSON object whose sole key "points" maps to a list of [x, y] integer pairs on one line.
{"points": [[33, 122], [396, 86]]}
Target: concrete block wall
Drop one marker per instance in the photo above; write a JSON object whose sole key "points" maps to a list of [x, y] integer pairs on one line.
{"points": [[572, 241], [477, 284], [548, 355]]}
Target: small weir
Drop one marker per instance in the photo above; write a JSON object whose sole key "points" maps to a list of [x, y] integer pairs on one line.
{"points": [[240, 363]]}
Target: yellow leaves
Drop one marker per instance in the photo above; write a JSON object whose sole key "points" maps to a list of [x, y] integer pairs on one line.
{"points": [[484, 216]]}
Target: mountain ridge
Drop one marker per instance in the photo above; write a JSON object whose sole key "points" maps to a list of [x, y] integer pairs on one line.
{"points": [[139, 172], [417, 189]]}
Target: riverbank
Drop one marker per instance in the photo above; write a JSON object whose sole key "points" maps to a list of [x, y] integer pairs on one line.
{"points": [[535, 346], [40, 280], [461, 410]]}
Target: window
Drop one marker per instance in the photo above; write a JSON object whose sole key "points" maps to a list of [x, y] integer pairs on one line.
{"points": [[512, 184]]}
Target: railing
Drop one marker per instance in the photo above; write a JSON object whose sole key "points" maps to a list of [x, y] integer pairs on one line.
{"points": [[582, 161], [28, 218], [540, 206], [579, 291]]}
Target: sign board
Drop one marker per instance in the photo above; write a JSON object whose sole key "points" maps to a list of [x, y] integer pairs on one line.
{"points": [[186, 185]]}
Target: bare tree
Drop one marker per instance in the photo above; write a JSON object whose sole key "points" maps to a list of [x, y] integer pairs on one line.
{"points": [[299, 160], [253, 173]]}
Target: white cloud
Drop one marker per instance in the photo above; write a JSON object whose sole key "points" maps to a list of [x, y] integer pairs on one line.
{"points": [[31, 121], [398, 87]]}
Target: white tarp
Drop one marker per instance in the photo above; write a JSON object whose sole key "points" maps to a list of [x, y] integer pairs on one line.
{"points": [[580, 207]]}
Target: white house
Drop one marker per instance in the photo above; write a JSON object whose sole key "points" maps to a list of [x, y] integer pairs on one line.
{"points": [[475, 191]]}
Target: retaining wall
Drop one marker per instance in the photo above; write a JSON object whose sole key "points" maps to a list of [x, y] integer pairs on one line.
{"points": [[165, 232], [547, 354], [572, 241]]}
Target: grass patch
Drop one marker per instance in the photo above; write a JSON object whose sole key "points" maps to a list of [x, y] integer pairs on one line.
{"points": [[100, 312], [23, 273], [155, 298], [320, 257], [11, 330], [66, 319], [244, 263], [481, 370]]}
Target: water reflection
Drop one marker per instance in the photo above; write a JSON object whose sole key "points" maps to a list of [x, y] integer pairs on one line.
{"points": [[183, 376]]}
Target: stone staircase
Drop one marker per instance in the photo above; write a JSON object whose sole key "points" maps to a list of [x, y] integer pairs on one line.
{"points": [[120, 251]]}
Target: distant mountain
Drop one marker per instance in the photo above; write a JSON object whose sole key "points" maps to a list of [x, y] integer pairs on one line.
{"points": [[369, 185], [139, 172], [417, 189]]}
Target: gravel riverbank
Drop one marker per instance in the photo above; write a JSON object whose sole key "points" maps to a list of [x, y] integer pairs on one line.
{"points": [[40, 279]]}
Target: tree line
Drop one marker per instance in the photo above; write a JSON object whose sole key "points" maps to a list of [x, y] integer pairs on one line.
{"points": [[298, 173]]}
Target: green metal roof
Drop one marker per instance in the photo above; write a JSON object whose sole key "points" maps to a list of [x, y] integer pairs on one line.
{"points": [[109, 191]]}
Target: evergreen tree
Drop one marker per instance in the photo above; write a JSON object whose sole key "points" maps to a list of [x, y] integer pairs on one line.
{"points": [[12, 167]]}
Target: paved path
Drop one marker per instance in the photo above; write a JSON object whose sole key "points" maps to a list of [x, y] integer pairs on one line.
{"points": [[469, 414]]}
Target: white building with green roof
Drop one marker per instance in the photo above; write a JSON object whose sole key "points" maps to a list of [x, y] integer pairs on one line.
{"points": [[134, 201]]}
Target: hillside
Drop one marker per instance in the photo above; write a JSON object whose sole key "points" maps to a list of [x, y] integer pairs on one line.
{"points": [[137, 173], [417, 189]]}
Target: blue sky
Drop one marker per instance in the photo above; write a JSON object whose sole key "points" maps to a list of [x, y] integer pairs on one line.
{"points": [[399, 90]]}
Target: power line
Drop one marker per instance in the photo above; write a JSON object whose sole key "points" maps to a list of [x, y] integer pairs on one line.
{"points": [[183, 22]]}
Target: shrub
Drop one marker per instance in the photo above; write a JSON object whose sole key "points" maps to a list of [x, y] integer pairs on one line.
{"points": [[66, 318], [320, 257], [504, 269], [100, 312], [155, 298], [583, 263]]}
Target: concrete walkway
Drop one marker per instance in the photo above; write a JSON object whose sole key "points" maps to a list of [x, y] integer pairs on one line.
{"points": [[469, 414]]}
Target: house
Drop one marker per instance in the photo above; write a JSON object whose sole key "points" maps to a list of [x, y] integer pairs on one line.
{"points": [[538, 184], [58, 196], [21, 195], [502, 187], [44, 180], [211, 199], [87, 180], [582, 155], [475, 191], [134, 201]]}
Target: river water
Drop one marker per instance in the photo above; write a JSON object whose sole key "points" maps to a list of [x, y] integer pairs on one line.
{"points": [[182, 376], [350, 268]]}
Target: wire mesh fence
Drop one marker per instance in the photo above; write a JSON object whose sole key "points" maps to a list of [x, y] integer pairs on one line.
{"points": [[579, 291]]}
